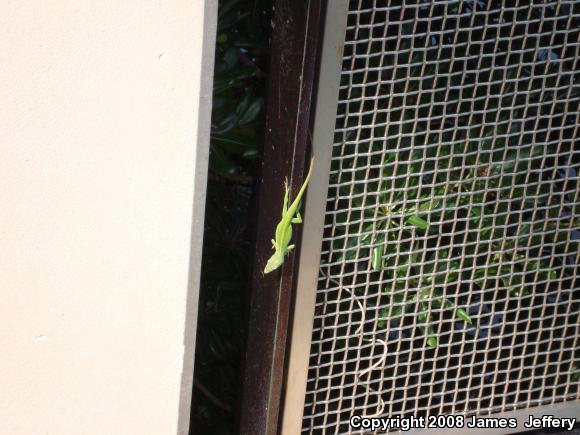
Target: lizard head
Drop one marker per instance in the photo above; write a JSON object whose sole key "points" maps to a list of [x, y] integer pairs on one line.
{"points": [[274, 262]]}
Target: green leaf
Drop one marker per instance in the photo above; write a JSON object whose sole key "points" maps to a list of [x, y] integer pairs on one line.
{"points": [[418, 222], [462, 314], [233, 78], [377, 257], [398, 312], [226, 124], [432, 341], [221, 38], [575, 372], [251, 113], [241, 142], [349, 246], [426, 206], [367, 231]]}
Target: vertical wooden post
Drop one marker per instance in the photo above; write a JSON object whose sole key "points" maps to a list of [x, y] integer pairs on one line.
{"points": [[297, 28]]}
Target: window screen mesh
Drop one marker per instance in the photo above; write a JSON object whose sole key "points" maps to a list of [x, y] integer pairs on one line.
{"points": [[448, 279]]}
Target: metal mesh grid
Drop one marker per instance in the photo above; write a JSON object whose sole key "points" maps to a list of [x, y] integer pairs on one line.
{"points": [[448, 281]]}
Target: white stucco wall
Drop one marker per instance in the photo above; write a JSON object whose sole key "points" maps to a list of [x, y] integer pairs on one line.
{"points": [[104, 109]]}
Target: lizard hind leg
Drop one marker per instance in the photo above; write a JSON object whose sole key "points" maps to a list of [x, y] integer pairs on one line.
{"points": [[297, 219]]}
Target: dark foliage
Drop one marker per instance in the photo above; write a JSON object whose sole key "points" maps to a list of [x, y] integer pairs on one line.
{"points": [[237, 122], [241, 54]]}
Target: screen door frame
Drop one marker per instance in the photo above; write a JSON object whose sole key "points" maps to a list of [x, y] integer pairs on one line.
{"points": [[312, 232]]}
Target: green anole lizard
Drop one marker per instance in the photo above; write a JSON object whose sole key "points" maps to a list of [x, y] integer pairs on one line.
{"points": [[283, 235]]}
